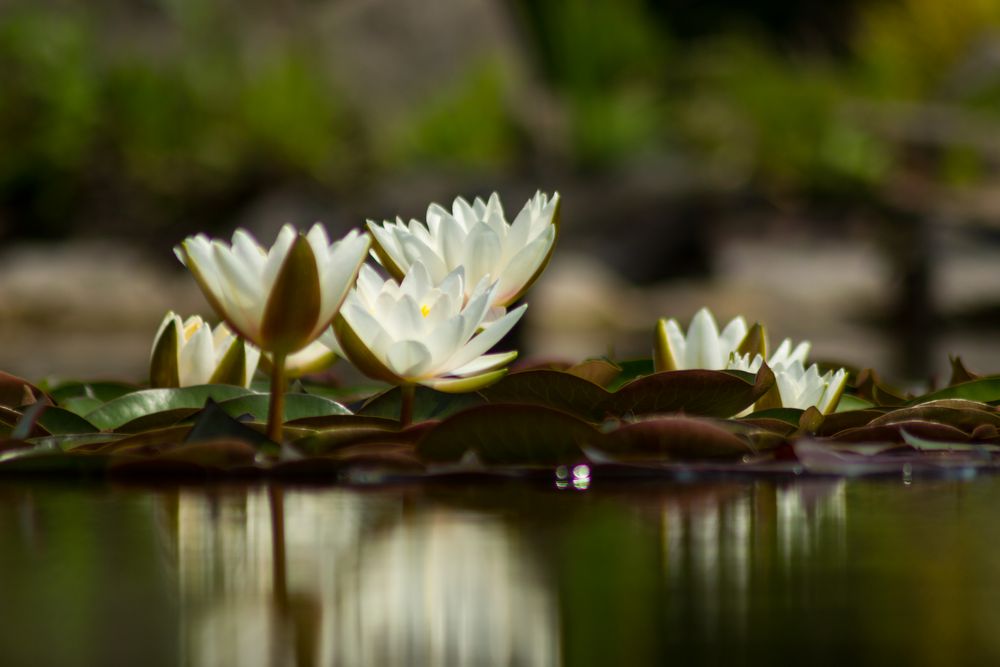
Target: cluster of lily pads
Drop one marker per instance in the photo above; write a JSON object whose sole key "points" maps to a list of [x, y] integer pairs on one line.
{"points": [[244, 397]]}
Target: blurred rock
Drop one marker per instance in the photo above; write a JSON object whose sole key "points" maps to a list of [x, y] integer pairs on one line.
{"points": [[86, 309]]}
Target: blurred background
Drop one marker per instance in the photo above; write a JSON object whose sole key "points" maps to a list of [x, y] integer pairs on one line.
{"points": [[828, 168]]}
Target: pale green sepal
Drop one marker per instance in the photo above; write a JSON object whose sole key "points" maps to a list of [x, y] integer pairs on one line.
{"points": [[359, 354], [462, 385], [663, 358], [755, 342], [232, 369], [164, 371]]}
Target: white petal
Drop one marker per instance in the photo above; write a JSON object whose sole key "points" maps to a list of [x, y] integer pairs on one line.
{"points": [[523, 267], [732, 335], [338, 275], [489, 337], [407, 358], [464, 213], [276, 257], [677, 344], [486, 362], [703, 349], [452, 239], [197, 359], [443, 340], [482, 253], [390, 242]]}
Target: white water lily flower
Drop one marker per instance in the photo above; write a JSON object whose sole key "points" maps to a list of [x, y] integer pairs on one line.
{"points": [[191, 353], [283, 298], [783, 356], [476, 237], [798, 386], [703, 347], [424, 332]]}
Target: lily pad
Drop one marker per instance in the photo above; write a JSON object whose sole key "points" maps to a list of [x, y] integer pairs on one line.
{"points": [[672, 439], [427, 404], [554, 389], [691, 392], [124, 409], [523, 435], [297, 406]]}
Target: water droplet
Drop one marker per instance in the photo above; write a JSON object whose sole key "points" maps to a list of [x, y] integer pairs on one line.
{"points": [[907, 474]]}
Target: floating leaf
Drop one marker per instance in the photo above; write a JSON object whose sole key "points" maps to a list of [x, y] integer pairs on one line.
{"points": [[124, 409], [692, 392], [100, 391], [893, 432], [297, 406], [672, 439], [553, 389], [16, 392], [983, 390], [964, 415], [59, 421], [213, 423], [599, 371], [850, 402], [524, 435], [841, 421], [959, 373], [427, 404]]}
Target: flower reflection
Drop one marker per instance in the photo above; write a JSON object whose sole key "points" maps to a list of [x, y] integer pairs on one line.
{"points": [[353, 579], [721, 541]]}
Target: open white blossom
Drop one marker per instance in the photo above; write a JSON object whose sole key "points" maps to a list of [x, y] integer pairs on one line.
{"points": [[798, 386], [422, 332], [476, 237], [191, 353]]}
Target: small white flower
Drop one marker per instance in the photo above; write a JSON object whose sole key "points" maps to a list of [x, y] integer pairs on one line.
{"points": [[476, 237], [422, 332], [703, 347], [783, 356], [798, 386], [280, 299], [190, 353]]}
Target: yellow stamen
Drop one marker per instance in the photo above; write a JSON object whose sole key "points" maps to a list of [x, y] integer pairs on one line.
{"points": [[425, 311], [191, 328]]}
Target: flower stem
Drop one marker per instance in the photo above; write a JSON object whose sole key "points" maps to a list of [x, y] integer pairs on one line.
{"points": [[276, 407], [409, 393]]}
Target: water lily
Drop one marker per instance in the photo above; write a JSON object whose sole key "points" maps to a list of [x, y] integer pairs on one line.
{"points": [[190, 352], [282, 298], [703, 346], [424, 332], [476, 237], [797, 386]]}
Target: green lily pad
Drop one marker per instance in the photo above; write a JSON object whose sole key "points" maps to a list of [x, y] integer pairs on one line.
{"points": [[427, 404], [523, 435], [59, 421], [297, 406], [124, 409], [983, 390]]}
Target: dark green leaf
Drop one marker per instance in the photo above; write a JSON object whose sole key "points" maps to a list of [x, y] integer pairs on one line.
{"points": [[427, 404], [673, 439], [527, 435]]}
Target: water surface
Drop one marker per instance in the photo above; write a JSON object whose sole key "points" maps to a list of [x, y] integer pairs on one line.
{"points": [[804, 571]]}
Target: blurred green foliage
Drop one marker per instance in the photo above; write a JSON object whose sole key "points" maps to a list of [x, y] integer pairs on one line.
{"points": [[106, 120]]}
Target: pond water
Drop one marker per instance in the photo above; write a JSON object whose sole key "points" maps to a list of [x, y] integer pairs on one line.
{"points": [[793, 571]]}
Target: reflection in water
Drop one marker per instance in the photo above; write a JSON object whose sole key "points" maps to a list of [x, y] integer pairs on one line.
{"points": [[816, 571], [365, 583]]}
